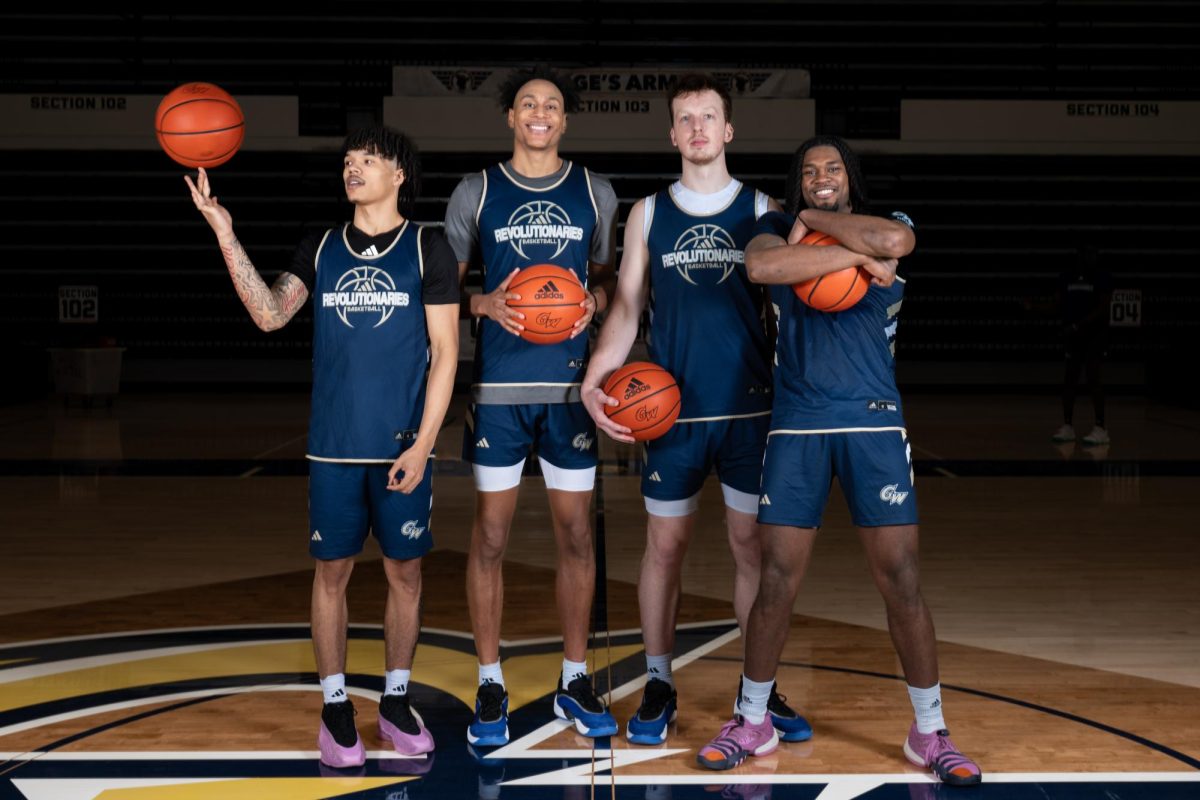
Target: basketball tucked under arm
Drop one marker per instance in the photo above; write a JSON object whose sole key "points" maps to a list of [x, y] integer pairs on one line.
{"points": [[771, 260], [862, 233]]}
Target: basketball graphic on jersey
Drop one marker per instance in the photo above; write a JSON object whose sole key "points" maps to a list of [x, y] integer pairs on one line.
{"points": [[704, 254], [539, 230], [365, 290]]}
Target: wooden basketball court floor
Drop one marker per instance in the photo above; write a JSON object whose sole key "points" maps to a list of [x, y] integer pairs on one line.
{"points": [[154, 596]]}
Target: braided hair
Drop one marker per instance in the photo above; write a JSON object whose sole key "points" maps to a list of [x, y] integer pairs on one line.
{"points": [[858, 186]]}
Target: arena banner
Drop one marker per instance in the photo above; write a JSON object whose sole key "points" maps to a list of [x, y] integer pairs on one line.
{"points": [[1078, 121], [622, 110], [125, 122]]}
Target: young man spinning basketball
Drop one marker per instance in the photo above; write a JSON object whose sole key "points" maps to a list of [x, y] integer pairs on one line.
{"points": [[683, 256], [837, 412], [535, 208], [385, 349]]}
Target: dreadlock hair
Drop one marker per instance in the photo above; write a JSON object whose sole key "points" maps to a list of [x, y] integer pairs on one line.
{"points": [[694, 83], [858, 186], [391, 144], [519, 77]]}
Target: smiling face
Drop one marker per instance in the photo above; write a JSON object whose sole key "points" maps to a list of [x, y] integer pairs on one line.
{"points": [[538, 116], [698, 126], [824, 183], [370, 178]]}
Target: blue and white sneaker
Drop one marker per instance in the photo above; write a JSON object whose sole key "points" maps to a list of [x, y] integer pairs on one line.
{"points": [[580, 704], [489, 728], [657, 711], [790, 726]]}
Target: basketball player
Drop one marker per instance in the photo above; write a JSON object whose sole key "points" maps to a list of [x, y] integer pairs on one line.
{"points": [[385, 313], [1085, 292], [836, 412], [535, 208], [683, 255]]}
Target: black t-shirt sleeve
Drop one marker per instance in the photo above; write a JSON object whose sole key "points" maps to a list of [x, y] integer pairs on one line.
{"points": [[304, 260], [439, 283]]}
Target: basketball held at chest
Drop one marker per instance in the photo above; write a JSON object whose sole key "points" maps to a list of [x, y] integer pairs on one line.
{"points": [[199, 125], [833, 291], [550, 299], [647, 399]]}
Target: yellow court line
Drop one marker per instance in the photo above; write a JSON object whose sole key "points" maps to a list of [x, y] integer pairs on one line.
{"points": [[254, 789]]}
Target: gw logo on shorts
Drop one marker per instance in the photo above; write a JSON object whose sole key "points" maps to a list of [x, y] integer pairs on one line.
{"points": [[582, 442], [889, 495], [365, 290], [703, 251], [539, 223], [411, 530]]}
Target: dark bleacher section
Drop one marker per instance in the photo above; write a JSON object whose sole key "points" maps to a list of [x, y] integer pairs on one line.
{"points": [[993, 230]]}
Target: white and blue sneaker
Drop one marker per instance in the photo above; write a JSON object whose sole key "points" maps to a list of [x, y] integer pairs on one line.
{"points": [[657, 711], [489, 728], [580, 704]]}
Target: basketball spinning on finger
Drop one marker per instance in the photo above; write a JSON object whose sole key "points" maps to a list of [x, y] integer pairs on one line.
{"points": [[833, 291], [647, 399], [550, 299], [199, 125]]}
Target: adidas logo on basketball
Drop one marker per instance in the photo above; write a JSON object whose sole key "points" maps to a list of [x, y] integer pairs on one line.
{"points": [[635, 387], [549, 292]]}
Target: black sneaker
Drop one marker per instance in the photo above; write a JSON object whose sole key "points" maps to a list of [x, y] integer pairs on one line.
{"points": [[790, 726], [580, 703], [401, 725], [339, 721], [657, 711], [395, 709]]}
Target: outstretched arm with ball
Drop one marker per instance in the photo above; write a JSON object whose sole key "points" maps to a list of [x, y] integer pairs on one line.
{"points": [[270, 307]]}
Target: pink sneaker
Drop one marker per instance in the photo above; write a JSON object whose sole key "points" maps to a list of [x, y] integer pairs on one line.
{"points": [[737, 740], [936, 752], [400, 724], [338, 738]]}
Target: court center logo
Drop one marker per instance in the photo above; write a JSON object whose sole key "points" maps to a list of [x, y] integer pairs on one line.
{"points": [[539, 230], [706, 252], [364, 290]]}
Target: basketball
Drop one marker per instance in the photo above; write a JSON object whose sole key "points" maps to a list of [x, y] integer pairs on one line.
{"points": [[648, 399], [550, 298], [833, 291], [199, 125]]}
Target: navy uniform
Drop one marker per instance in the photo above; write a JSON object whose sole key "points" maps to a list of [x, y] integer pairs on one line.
{"points": [[370, 361], [837, 410], [524, 394], [707, 329]]}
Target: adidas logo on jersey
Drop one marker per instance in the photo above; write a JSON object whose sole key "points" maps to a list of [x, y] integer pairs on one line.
{"points": [[549, 292], [635, 387], [370, 251], [316, 537], [764, 500], [654, 477], [482, 443]]}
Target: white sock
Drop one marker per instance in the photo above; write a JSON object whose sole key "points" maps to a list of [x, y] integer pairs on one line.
{"points": [[396, 681], [572, 670], [491, 673], [927, 704], [660, 667], [334, 688], [753, 703]]}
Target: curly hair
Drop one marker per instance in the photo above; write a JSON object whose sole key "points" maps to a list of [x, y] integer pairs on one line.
{"points": [[393, 145], [858, 186], [519, 77]]}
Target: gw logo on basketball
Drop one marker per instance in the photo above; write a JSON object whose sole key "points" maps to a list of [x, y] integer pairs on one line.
{"points": [[365, 290], [889, 495], [541, 224], [548, 320], [411, 530], [703, 251]]}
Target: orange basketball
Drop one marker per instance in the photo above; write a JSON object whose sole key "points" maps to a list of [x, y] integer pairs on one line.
{"points": [[833, 291], [199, 125], [648, 399], [550, 298]]}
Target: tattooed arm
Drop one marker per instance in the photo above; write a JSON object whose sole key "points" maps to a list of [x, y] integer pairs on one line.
{"points": [[270, 308]]}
